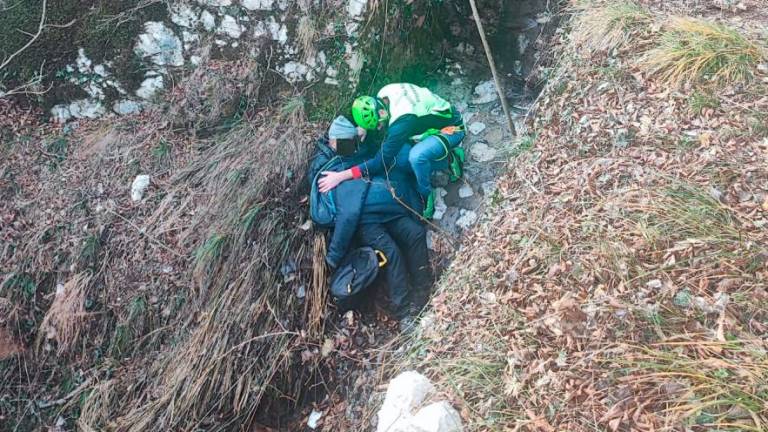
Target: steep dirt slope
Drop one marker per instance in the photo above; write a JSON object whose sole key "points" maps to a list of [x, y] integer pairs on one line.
{"points": [[618, 281]]}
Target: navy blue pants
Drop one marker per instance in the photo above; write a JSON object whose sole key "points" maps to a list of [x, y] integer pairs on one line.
{"points": [[408, 275]]}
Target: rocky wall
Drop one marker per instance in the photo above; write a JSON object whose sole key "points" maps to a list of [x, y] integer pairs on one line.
{"points": [[285, 36]]}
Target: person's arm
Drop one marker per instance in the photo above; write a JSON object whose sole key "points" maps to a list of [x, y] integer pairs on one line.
{"points": [[397, 136]]}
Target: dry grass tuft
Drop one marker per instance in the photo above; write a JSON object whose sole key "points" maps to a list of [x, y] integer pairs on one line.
{"points": [[692, 50], [317, 297], [711, 384], [65, 318], [306, 34], [608, 26]]}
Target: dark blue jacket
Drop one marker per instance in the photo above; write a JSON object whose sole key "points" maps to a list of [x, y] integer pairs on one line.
{"points": [[398, 135], [379, 199]]}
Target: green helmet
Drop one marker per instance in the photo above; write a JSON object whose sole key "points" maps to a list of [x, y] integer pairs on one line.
{"points": [[365, 112]]}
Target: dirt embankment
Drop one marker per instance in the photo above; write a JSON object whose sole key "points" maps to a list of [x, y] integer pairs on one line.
{"points": [[619, 280]]}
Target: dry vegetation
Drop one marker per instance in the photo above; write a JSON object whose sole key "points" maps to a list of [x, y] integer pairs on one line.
{"points": [[177, 312], [618, 282]]}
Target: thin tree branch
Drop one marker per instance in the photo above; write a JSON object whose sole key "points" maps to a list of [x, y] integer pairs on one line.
{"points": [[40, 28], [492, 64]]}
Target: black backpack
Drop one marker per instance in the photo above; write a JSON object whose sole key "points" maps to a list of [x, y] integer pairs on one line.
{"points": [[354, 275]]}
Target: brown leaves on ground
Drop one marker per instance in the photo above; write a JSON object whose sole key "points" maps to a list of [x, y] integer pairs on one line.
{"points": [[8, 345], [620, 284]]}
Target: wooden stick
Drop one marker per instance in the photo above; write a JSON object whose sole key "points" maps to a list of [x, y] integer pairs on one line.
{"points": [[491, 63]]}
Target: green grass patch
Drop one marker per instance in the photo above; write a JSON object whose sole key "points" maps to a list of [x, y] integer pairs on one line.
{"points": [[699, 101]]}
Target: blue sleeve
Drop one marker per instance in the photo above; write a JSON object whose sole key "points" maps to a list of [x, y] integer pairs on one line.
{"points": [[397, 136]]}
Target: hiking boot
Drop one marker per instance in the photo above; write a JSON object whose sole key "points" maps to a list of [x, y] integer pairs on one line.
{"points": [[429, 206], [456, 164]]}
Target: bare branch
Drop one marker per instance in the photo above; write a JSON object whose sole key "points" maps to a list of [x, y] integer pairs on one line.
{"points": [[31, 87], [40, 28]]}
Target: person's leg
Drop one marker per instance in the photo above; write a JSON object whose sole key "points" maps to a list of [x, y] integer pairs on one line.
{"points": [[431, 155], [411, 238], [395, 272]]}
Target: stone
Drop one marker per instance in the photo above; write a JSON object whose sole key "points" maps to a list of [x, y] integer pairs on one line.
{"points": [[189, 38], [230, 27], [295, 71], [274, 29], [258, 4], [160, 44], [184, 16], [481, 152], [440, 206], [486, 92], [466, 218], [314, 418], [150, 86], [465, 191], [208, 20], [126, 106], [355, 8], [476, 128], [430, 240], [139, 186], [488, 187], [216, 3], [60, 113], [86, 108], [437, 417], [404, 393], [494, 135]]}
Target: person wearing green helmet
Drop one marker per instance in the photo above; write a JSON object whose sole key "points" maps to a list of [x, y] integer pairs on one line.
{"points": [[411, 115]]}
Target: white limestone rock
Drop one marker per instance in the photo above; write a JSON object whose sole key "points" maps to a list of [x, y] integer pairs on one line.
{"points": [[139, 186], [437, 417], [466, 218], [208, 20], [477, 127], [355, 8], [440, 206], [258, 4], [126, 106], [160, 45], [486, 92], [215, 3], [150, 86], [183, 15], [465, 191], [404, 393], [230, 27], [481, 152]]}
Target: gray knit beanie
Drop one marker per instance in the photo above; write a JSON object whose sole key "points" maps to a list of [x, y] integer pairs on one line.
{"points": [[341, 128]]}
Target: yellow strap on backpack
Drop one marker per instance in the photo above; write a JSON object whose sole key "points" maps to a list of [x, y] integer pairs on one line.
{"points": [[382, 258]]}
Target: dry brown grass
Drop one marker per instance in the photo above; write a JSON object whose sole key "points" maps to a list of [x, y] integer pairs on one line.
{"points": [[316, 302], [605, 26], [239, 349], [64, 321], [691, 50]]}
